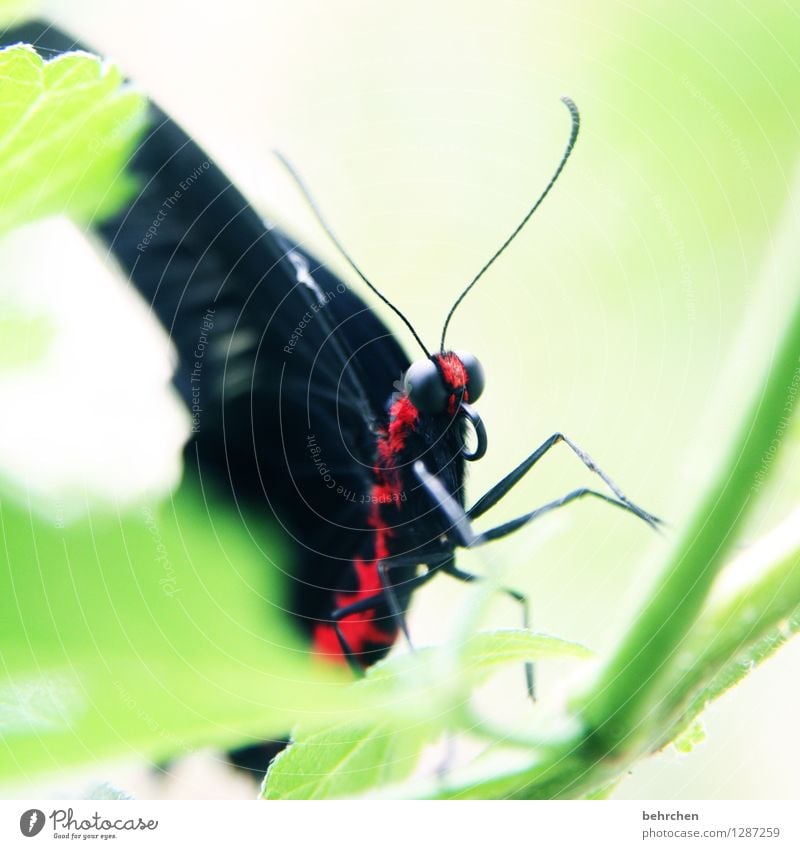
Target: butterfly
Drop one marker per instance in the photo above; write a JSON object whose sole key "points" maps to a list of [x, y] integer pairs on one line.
{"points": [[305, 408]]}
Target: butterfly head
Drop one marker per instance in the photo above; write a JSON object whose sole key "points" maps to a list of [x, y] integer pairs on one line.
{"points": [[447, 384]]}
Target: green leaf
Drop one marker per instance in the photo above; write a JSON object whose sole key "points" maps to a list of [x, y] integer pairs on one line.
{"points": [[482, 653], [67, 127], [693, 736], [152, 633], [345, 761], [489, 649], [603, 792], [740, 629], [403, 710], [408, 712]]}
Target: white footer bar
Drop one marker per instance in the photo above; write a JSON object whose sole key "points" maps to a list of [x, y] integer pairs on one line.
{"points": [[390, 825]]}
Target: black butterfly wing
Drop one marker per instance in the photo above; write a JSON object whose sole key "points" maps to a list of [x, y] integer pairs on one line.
{"points": [[280, 414], [377, 355], [285, 370]]}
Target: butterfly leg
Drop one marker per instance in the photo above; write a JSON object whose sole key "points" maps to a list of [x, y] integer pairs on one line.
{"points": [[502, 487], [509, 527], [514, 524], [521, 599], [389, 595], [467, 538]]}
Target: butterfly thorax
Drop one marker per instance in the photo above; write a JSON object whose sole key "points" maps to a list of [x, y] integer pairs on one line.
{"points": [[405, 518]]}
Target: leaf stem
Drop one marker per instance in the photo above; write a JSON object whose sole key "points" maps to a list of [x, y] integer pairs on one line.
{"points": [[615, 711]]}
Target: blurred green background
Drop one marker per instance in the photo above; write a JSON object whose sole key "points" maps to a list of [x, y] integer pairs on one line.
{"points": [[426, 129]]}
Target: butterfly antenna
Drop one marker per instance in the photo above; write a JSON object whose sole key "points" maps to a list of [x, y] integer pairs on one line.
{"points": [[340, 247], [573, 136]]}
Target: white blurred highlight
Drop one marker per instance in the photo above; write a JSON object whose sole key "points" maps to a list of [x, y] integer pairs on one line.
{"points": [[94, 421]]}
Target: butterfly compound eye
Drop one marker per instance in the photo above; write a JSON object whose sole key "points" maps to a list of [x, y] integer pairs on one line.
{"points": [[425, 387], [476, 379]]}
